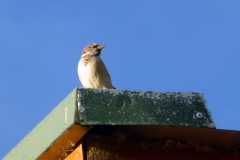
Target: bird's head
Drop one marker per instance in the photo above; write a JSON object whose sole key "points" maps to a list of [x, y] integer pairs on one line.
{"points": [[93, 49]]}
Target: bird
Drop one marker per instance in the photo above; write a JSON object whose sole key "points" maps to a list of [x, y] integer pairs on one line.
{"points": [[92, 72]]}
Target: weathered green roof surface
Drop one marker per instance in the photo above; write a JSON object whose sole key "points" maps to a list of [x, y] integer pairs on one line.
{"points": [[109, 107], [124, 107]]}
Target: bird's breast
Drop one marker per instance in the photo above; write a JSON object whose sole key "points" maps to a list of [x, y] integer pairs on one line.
{"points": [[94, 74], [86, 74]]}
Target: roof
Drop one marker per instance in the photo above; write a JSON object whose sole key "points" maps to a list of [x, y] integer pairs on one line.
{"points": [[178, 115]]}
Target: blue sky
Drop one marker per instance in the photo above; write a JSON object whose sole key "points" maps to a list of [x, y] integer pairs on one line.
{"points": [[150, 45]]}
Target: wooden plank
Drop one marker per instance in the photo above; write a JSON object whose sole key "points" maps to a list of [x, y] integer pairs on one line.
{"points": [[65, 144], [77, 154], [105, 147]]}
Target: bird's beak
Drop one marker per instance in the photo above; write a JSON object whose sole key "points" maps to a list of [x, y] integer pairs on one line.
{"points": [[100, 47]]}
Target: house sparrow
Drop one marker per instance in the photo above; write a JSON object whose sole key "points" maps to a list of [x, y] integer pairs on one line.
{"points": [[91, 70]]}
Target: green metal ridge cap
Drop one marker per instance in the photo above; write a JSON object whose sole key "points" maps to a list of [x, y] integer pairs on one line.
{"points": [[47, 131], [125, 107]]}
